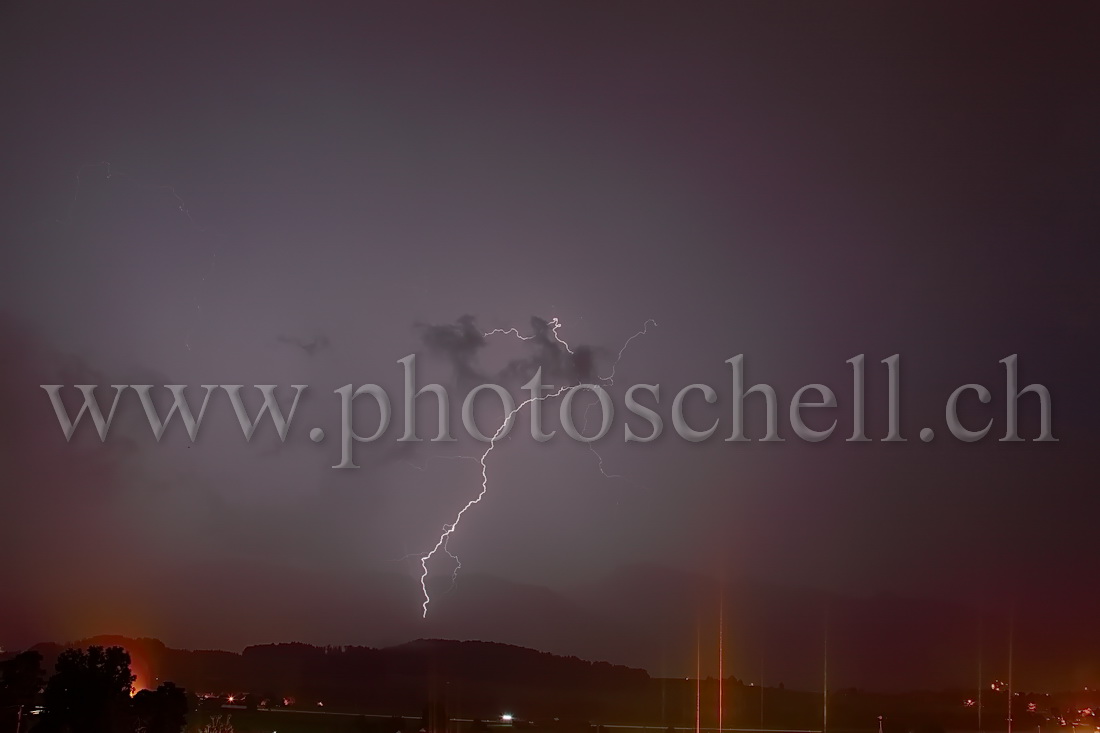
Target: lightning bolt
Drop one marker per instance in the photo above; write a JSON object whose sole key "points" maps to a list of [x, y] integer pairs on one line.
{"points": [[608, 381], [554, 324], [458, 566], [610, 378], [449, 529]]}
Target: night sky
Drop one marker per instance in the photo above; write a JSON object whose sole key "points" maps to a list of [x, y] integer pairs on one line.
{"points": [[297, 194]]}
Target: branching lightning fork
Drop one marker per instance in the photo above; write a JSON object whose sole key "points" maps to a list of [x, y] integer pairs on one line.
{"points": [[449, 529]]}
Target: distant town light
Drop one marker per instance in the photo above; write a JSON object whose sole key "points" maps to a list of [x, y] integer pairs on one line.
{"points": [[507, 717]]}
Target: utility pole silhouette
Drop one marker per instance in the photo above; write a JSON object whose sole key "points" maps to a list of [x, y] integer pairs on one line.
{"points": [[825, 678], [1011, 629], [981, 652]]}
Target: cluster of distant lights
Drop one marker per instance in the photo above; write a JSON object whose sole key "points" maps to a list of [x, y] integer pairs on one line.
{"points": [[505, 718], [998, 686], [287, 701]]}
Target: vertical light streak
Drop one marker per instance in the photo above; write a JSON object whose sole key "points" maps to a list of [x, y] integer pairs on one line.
{"points": [[721, 627]]}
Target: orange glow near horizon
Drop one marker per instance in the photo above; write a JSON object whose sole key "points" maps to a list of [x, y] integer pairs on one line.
{"points": [[142, 675]]}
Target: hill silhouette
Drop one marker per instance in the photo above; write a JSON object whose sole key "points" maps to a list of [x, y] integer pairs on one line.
{"points": [[641, 616]]}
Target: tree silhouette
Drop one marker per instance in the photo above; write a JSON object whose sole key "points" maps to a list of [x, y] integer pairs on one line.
{"points": [[21, 678], [163, 710], [89, 693]]}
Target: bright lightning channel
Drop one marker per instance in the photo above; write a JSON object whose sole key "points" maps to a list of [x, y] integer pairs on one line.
{"points": [[608, 381], [449, 529]]}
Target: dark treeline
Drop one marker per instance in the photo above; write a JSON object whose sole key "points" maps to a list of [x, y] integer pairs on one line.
{"points": [[90, 691], [395, 679], [427, 683]]}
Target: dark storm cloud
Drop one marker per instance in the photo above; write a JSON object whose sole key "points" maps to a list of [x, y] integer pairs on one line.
{"points": [[460, 342], [558, 360]]}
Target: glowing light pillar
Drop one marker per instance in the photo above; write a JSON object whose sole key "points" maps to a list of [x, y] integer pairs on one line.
{"points": [[698, 683], [825, 680], [721, 624]]}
